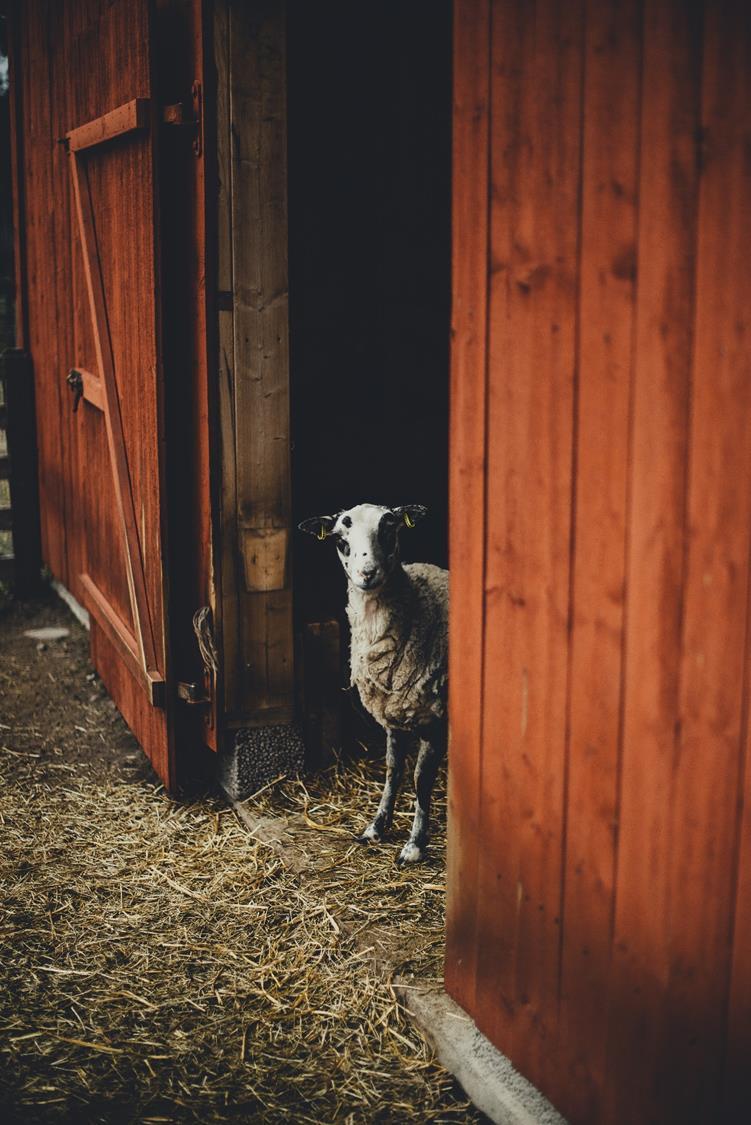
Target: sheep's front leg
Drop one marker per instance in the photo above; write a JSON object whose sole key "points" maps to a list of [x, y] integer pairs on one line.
{"points": [[432, 749], [397, 745]]}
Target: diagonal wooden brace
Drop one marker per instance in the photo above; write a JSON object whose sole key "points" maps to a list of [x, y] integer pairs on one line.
{"points": [[142, 623]]}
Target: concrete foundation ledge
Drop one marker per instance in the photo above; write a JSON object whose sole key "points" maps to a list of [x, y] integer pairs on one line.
{"points": [[487, 1076]]}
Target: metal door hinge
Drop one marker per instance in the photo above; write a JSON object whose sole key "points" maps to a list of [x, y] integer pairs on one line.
{"points": [[188, 117], [203, 694], [192, 693]]}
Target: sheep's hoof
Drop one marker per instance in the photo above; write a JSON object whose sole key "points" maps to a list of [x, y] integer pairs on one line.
{"points": [[411, 853], [372, 835]]}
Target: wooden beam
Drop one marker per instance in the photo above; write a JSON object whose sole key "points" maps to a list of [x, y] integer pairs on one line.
{"points": [[228, 586], [132, 115], [261, 470], [92, 388]]}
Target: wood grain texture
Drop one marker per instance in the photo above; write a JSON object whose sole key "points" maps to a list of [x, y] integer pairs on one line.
{"points": [[93, 392], [606, 293], [122, 189], [44, 228], [668, 192], [64, 86], [187, 269], [65, 224], [122, 639], [149, 724], [535, 151], [141, 612], [709, 778], [228, 575], [261, 343], [93, 62], [737, 1037], [123, 119], [614, 731], [467, 488]]}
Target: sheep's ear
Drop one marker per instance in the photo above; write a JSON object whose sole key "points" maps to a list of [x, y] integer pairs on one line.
{"points": [[411, 514], [320, 526]]}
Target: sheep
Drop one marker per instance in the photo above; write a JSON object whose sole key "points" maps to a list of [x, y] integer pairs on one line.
{"points": [[398, 616]]}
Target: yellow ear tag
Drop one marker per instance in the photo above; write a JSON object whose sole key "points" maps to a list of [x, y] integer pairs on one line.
{"points": [[408, 520], [322, 533]]}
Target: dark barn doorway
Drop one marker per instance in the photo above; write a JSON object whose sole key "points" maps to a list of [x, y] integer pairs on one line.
{"points": [[369, 113]]}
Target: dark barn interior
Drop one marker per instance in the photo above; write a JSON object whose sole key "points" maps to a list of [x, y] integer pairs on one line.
{"points": [[369, 115]]}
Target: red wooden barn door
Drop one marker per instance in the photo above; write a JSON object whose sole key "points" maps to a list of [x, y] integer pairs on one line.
{"points": [[599, 911], [116, 365]]}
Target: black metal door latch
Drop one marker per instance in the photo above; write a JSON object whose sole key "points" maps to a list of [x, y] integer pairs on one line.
{"points": [[74, 379]]}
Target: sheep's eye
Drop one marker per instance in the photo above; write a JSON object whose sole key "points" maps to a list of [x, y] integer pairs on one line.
{"points": [[343, 546]]}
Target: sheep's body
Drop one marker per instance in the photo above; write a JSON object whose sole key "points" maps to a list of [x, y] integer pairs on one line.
{"points": [[399, 649], [399, 652]]}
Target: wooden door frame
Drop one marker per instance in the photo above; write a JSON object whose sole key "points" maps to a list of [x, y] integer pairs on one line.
{"points": [[187, 191], [254, 580]]}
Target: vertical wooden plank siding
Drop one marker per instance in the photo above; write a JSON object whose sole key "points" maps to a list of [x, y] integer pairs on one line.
{"points": [[42, 221], [82, 532], [139, 606], [535, 150], [606, 322], [60, 278], [656, 554], [717, 675], [737, 1033], [604, 944], [467, 468], [703, 806]]}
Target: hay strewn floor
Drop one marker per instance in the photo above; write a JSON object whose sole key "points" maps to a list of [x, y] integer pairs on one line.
{"points": [[159, 964]]}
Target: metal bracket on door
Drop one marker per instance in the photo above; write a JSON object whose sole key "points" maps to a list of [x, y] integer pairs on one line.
{"points": [[74, 379], [191, 693], [179, 115], [196, 694]]}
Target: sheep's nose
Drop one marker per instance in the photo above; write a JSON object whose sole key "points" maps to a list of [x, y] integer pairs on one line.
{"points": [[367, 572]]}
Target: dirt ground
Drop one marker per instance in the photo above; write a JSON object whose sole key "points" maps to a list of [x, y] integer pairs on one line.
{"points": [[162, 963]]}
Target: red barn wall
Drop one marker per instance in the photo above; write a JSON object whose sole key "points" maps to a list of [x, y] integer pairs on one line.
{"points": [[599, 913]]}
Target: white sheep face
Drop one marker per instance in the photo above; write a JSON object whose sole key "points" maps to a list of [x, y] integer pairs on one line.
{"points": [[367, 543], [366, 539]]}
